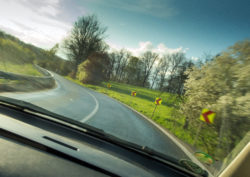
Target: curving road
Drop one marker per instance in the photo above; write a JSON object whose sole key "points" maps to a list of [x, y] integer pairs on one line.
{"points": [[98, 110]]}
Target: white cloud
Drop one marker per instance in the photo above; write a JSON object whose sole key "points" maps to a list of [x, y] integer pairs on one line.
{"points": [[194, 58], [33, 21], [161, 48]]}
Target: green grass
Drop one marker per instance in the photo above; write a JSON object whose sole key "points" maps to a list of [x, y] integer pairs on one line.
{"points": [[165, 115], [26, 69], [7, 81]]}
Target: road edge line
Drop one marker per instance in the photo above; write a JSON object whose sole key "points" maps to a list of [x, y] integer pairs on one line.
{"points": [[86, 118]]}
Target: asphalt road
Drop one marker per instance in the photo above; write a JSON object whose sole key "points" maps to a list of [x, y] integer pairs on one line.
{"points": [[98, 110]]}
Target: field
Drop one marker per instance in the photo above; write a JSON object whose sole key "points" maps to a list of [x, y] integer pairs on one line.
{"points": [[26, 69], [165, 114]]}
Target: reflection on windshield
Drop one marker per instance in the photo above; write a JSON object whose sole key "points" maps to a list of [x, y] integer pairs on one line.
{"points": [[199, 99]]}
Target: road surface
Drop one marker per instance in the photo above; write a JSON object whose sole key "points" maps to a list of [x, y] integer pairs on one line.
{"points": [[98, 110]]}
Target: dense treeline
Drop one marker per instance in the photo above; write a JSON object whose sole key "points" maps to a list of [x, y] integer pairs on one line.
{"points": [[13, 50], [93, 62], [221, 85], [166, 73]]}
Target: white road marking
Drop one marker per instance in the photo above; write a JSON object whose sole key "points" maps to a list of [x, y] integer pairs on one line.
{"points": [[94, 110]]}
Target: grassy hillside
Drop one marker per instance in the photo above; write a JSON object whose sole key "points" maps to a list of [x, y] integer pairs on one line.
{"points": [[26, 69], [15, 52]]}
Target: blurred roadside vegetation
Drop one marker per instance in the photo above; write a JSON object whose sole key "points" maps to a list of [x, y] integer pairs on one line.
{"points": [[221, 85]]}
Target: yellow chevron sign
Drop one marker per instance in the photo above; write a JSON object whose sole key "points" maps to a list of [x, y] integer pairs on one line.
{"points": [[109, 85], [207, 116], [133, 93], [158, 101]]}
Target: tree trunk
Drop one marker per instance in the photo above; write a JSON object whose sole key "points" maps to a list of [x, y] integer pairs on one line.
{"points": [[186, 124], [75, 69]]}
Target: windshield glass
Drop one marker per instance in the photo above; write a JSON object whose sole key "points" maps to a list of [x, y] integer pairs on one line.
{"points": [[169, 75]]}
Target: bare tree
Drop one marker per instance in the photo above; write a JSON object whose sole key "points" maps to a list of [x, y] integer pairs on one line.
{"points": [[121, 60], [133, 71], [179, 78], [163, 71], [175, 61], [85, 38], [111, 66], [53, 50], [148, 59], [118, 60], [124, 63], [157, 70]]}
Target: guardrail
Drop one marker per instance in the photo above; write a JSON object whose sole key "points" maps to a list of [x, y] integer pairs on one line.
{"points": [[25, 83]]}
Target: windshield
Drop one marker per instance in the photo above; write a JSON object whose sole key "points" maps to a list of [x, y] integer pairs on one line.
{"points": [[169, 75]]}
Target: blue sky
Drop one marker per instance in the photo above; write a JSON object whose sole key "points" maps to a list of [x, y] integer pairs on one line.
{"points": [[194, 26]]}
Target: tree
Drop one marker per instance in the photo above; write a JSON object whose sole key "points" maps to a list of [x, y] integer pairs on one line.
{"points": [[124, 64], [157, 70], [164, 69], [121, 60], [221, 85], [85, 38], [111, 65], [148, 59], [53, 50], [175, 60], [179, 78], [94, 70], [134, 71]]}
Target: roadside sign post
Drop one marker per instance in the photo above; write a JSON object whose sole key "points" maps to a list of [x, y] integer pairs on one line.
{"points": [[153, 111], [197, 133], [158, 102]]}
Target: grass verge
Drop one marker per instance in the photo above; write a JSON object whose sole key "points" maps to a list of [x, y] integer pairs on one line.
{"points": [[26, 69]]}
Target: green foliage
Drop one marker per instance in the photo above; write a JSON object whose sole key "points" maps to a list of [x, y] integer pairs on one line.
{"points": [[53, 50], [134, 71], [26, 69], [94, 70], [221, 85], [86, 38], [14, 51]]}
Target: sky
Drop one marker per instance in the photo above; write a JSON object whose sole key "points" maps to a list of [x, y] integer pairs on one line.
{"points": [[163, 26]]}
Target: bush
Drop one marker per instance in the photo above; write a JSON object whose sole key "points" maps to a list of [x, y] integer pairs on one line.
{"points": [[94, 69]]}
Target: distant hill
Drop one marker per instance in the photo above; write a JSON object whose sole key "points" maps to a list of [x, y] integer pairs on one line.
{"points": [[13, 50]]}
